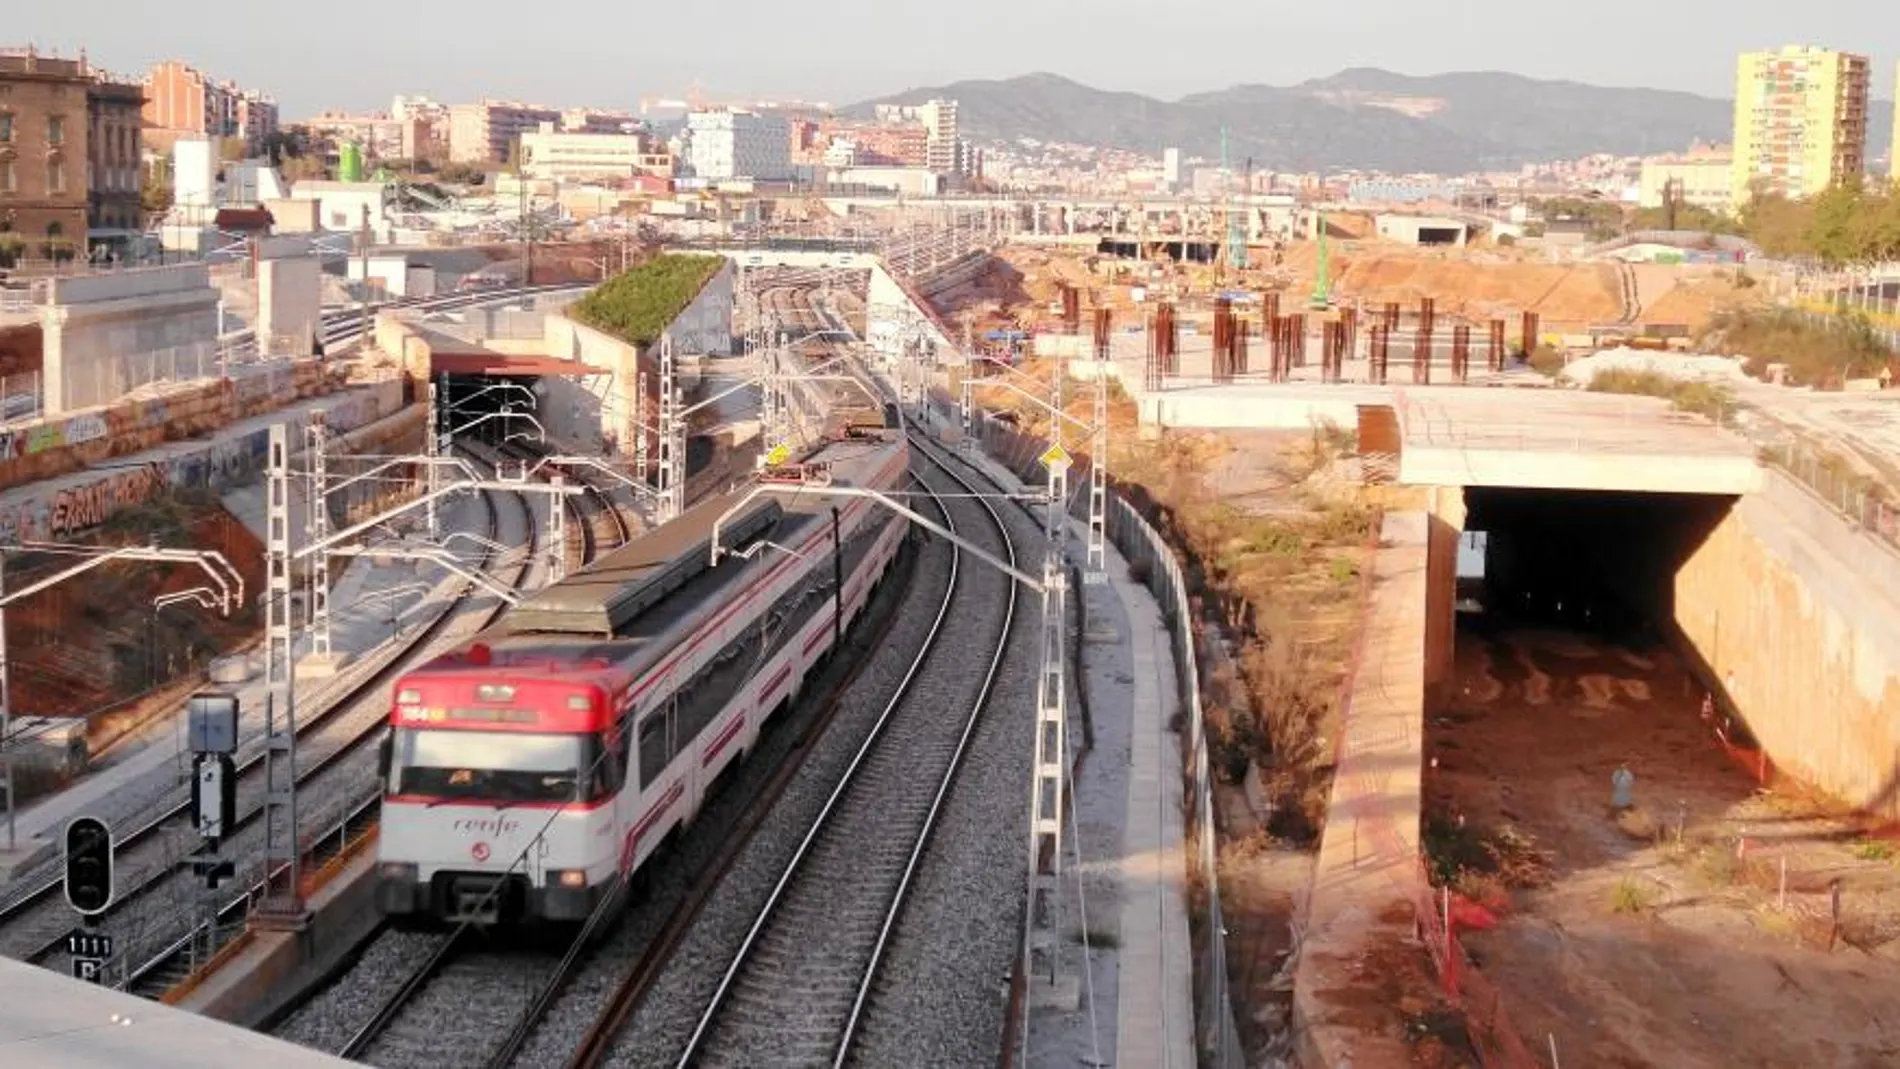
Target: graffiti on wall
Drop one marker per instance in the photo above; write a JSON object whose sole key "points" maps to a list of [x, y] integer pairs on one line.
{"points": [[223, 463], [82, 508], [78, 430], [85, 428]]}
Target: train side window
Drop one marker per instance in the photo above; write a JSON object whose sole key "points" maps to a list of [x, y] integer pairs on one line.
{"points": [[653, 751], [626, 748]]}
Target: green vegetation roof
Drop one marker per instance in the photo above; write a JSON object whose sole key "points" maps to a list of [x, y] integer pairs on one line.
{"points": [[636, 305]]}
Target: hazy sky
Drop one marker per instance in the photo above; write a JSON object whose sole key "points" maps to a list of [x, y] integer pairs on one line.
{"points": [[355, 54]]}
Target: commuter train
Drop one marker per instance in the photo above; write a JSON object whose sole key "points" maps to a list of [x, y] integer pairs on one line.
{"points": [[529, 771]]}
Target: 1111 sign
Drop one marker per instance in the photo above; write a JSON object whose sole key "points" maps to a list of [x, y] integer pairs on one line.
{"points": [[89, 945]]}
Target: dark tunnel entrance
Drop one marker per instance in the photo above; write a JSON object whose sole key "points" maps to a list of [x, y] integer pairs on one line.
{"points": [[1599, 563]]}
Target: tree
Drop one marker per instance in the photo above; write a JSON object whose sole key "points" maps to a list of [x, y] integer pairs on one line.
{"points": [[155, 187], [288, 143], [231, 149], [1688, 217], [1777, 224]]}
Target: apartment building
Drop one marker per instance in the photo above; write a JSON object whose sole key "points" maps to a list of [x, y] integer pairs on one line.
{"points": [[1800, 121], [486, 132], [114, 171], [724, 145], [589, 121], [381, 136], [548, 153], [44, 129], [944, 150], [184, 102], [1704, 176]]}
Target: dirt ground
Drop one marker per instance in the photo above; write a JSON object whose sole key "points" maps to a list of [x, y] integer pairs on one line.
{"points": [[1659, 936], [1473, 282], [88, 644]]}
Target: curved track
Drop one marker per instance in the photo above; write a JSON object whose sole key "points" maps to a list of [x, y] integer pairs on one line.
{"points": [[42, 882], [156, 891], [792, 988]]}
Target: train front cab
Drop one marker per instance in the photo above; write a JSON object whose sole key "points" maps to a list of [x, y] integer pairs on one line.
{"points": [[494, 826]]}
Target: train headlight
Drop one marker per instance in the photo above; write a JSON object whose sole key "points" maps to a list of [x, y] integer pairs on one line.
{"points": [[567, 878], [401, 871]]}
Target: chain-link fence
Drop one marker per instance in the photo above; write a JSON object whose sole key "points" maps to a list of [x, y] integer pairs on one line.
{"points": [[22, 397], [105, 382]]}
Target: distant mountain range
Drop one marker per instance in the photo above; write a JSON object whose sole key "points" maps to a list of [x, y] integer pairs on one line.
{"points": [[1364, 118]]}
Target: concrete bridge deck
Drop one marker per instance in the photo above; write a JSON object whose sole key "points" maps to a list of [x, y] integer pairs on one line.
{"points": [[1483, 434]]}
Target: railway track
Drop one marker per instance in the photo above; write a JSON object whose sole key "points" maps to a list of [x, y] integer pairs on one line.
{"points": [[359, 792], [509, 1008], [156, 890], [508, 1003], [41, 881], [807, 964]]}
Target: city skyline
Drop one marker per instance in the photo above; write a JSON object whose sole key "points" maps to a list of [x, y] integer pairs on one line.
{"points": [[871, 50]]}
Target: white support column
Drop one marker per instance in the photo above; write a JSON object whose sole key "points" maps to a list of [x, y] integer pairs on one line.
{"points": [[432, 446], [319, 526], [282, 904], [642, 464], [1042, 944], [672, 438], [967, 408], [557, 531]]}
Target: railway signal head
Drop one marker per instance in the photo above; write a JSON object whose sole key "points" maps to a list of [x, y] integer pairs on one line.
{"points": [[88, 865]]}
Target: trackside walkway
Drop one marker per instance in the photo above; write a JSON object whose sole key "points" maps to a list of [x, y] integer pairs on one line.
{"points": [[1155, 1010], [1129, 810]]}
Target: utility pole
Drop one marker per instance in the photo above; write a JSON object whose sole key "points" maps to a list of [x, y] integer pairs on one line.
{"points": [[283, 905], [364, 254], [6, 713], [318, 525], [432, 444], [672, 437], [1043, 933], [1098, 448]]}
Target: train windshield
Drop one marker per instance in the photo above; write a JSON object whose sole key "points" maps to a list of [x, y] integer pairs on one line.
{"points": [[492, 766]]}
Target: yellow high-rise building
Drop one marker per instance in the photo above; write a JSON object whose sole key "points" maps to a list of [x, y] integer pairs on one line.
{"points": [[1800, 120], [1893, 153]]}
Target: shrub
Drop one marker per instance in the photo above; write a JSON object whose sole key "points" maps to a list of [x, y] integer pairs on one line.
{"points": [[637, 305], [1703, 398], [1819, 350], [1630, 896]]}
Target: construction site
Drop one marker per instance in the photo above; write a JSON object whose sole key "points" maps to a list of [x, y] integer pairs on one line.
{"points": [[1722, 912]]}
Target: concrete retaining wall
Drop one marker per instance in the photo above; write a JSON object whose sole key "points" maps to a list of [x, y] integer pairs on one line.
{"points": [[59, 445], [1796, 615], [74, 505]]}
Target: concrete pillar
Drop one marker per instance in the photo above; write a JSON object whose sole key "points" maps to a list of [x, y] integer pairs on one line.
{"points": [[1441, 591]]}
